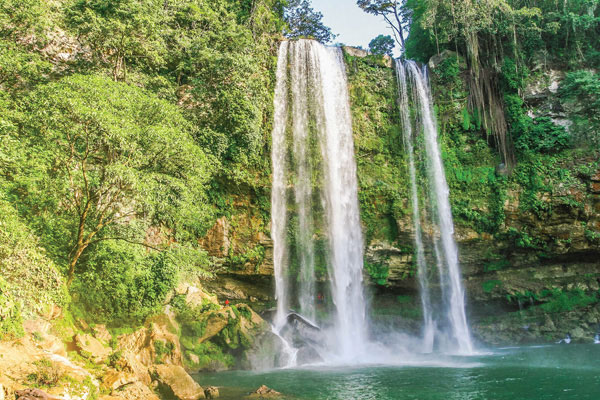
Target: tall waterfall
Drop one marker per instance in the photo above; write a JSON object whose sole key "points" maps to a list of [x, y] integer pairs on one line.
{"points": [[410, 75], [278, 188], [316, 111]]}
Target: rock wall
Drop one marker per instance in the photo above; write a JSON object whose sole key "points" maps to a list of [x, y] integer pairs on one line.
{"points": [[532, 251]]}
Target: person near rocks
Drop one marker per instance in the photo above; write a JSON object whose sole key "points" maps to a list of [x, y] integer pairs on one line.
{"points": [[597, 338], [226, 302]]}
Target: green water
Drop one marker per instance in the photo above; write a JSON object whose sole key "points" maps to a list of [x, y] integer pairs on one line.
{"points": [[549, 372]]}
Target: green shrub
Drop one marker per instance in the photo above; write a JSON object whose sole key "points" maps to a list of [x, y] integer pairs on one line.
{"points": [[559, 301], [10, 316], [583, 89], [379, 272], [124, 284], [30, 279], [162, 349]]}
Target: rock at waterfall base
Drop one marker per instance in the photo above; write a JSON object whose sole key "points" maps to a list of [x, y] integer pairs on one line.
{"points": [[264, 392], [173, 378], [211, 392]]}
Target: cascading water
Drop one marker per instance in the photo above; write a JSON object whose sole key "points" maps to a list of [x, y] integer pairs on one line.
{"points": [[341, 205], [445, 247], [278, 189], [319, 111], [303, 185], [428, 326]]}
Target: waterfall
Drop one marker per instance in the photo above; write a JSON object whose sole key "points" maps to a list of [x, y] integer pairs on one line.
{"points": [[317, 111], [303, 187], [341, 205], [278, 188], [445, 247], [428, 327]]}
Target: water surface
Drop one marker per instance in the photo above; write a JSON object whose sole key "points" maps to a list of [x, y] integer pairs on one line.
{"points": [[536, 372]]}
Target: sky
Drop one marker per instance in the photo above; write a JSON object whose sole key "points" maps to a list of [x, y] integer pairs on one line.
{"points": [[354, 26]]}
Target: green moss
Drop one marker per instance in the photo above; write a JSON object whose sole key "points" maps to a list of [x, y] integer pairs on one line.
{"points": [[162, 349], [490, 285], [379, 272], [381, 164]]}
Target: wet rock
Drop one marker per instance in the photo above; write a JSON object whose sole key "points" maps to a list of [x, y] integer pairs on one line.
{"points": [[92, 348], [173, 379], [264, 392], [267, 352], [307, 355], [211, 392]]}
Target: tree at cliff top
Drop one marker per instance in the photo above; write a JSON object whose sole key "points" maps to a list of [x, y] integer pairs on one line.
{"points": [[304, 22], [393, 12], [102, 160], [382, 45]]}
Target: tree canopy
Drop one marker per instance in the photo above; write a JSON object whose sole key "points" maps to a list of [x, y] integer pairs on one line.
{"points": [[304, 22], [101, 153], [382, 45]]}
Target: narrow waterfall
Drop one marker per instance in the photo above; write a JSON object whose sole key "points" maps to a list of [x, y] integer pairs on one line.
{"points": [[317, 111], [410, 75], [428, 327]]}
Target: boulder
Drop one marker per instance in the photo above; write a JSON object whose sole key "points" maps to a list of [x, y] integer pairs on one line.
{"points": [[173, 379], [113, 379], [211, 392], [135, 391], [92, 348], [264, 392], [141, 345], [130, 364]]}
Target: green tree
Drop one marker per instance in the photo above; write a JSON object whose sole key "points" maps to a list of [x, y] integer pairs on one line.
{"points": [[393, 12], [103, 157], [24, 17], [121, 32], [382, 45], [304, 22]]}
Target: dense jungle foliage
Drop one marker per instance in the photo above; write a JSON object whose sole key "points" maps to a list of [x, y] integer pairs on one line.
{"points": [[125, 126], [128, 127]]}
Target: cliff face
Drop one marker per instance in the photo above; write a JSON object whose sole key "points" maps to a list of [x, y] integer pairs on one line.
{"points": [[529, 240]]}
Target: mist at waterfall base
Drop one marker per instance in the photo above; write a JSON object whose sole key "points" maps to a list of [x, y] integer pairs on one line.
{"points": [[323, 320]]}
